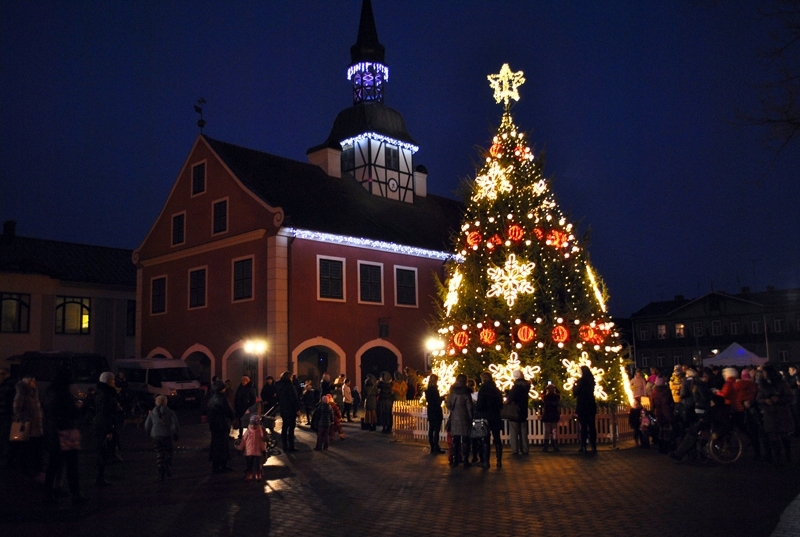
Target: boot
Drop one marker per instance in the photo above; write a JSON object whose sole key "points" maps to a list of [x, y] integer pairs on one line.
{"points": [[555, 445], [485, 459], [258, 476], [546, 446], [465, 445], [498, 451]]}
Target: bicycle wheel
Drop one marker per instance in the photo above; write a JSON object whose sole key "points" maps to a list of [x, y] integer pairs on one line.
{"points": [[726, 448]]}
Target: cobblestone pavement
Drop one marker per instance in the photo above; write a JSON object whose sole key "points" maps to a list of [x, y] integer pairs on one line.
{"points": [[369, 484]]}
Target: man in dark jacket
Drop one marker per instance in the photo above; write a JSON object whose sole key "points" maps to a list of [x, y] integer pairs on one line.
{"points": [[269, 394], [488, 407], [106, 417], [435, 414], [289, 406], [518, 429], [245, 398]]}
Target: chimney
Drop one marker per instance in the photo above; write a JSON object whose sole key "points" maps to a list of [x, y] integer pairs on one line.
{"points": [[9, 229], [421, 181]]}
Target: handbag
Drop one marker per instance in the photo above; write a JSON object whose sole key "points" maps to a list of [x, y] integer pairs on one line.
{"points": [[510, 411], [69, 439], [20, 431], [480, 428]]}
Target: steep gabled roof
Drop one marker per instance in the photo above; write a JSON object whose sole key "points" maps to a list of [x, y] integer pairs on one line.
{"points": [[313, 200], [66, 261], [769, 298]]}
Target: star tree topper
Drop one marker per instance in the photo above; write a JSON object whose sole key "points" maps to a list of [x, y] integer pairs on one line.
{"points": [[505, 84], [511, 280]]}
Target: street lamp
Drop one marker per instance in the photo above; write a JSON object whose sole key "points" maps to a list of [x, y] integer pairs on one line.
{"points": [[255, 346]]}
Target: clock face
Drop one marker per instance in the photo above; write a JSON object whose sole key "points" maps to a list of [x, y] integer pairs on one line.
{"points": [[393, 185]]}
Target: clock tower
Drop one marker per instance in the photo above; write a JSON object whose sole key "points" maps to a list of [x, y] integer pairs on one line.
{"points": [[370, 139]]}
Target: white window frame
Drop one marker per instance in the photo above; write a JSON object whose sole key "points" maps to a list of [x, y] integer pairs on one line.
{"points": [[191, 178], [645, 358], [383, 280], [677, 358], [697, 328], [734, 328], [756, 326], [660, 357], [661, 331], [344, 278], [416, 287], [166, 294], [716, 327], [172, 229], [777, 325], [680, 333], [783, 355], [252, 257], [644, 332], [189, 288], [227, 216]]}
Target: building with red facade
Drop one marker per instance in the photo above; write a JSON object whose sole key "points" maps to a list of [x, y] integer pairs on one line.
{"points": [[331, 263]]}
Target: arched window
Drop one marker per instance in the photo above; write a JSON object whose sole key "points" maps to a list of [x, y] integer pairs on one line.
{"points": [[72, 315], [15, 311]]}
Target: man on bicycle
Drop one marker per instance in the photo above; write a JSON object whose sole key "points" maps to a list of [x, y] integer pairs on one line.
{"points": [[709, 408]]}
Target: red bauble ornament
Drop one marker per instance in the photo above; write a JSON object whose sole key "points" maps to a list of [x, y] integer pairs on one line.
{"points": [[496, 149], [488, 336], [515, 232], [591, 334], [557, 238], [474, 238], [496, 240], [461, 339], [519, 152], [526, 333], [539, 233], [560, 334]]}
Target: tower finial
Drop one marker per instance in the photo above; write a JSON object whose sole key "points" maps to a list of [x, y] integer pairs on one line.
{"points": [[199, 109], [505, 85], [367, 47], [367, 70]]}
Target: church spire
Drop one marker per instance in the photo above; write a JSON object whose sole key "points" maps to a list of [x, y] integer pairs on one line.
{"points": [[367, 70]]}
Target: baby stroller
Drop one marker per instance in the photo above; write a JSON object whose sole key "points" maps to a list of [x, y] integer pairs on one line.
{"points": [[267, 423]]}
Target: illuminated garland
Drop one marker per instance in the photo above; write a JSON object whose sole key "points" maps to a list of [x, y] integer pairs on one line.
{"points": [[626, 382], [452, 291], [511, 280], [503, 374], [574, 372], [380, 138], [368, 244], [446, 374], [598, 295]]}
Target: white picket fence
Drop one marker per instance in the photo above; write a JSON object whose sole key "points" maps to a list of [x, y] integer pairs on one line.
{"points": [[410, 421]]}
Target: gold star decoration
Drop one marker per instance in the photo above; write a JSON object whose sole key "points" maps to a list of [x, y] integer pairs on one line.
{"points": [[505, 84]]}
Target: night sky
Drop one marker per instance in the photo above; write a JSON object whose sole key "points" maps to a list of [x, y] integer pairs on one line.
{"points": [[636, 104]]}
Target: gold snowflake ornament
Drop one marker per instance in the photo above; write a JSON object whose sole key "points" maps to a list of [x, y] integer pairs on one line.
{"points": [[492, 183], [511, 280]]}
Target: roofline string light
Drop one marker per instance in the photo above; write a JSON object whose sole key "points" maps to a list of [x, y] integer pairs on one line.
{"points": [[369, 244], [365, 66], [380, 138]]}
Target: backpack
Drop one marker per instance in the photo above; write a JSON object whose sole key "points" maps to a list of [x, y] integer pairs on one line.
{"points": [[315, 418]]}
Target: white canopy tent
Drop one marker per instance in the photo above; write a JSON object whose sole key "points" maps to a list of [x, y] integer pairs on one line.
{"points": [[736, 356]]}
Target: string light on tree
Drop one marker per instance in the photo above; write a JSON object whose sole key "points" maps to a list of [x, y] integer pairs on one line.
{"points": [[574, 372], [511, 280], [503, 374]]}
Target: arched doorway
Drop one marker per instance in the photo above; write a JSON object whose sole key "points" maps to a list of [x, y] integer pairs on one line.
{"points": [[377, 360], [240, 363], [316, 360], [200, 364]]}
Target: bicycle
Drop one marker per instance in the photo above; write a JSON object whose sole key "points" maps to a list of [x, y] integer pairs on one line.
{"points": [[724, 446]]}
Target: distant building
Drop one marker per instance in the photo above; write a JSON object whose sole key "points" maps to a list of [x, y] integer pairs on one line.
{"points": [[332, 263], [61, 296], [685, 331]]}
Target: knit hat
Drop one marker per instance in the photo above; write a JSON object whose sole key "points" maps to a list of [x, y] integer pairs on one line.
{"points": [[106, 376], [254, 418], [691, 372], [517, 374], [729, 372]]}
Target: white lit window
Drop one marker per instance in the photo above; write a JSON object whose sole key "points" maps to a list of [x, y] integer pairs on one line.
{"points": [[662, 331], [680, 330]]}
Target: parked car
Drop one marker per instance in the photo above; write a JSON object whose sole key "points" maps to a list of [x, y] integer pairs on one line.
{"points": [[85, 367]]}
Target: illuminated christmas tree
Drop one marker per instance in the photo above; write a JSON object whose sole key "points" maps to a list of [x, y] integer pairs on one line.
{"points": [[521, 293]]}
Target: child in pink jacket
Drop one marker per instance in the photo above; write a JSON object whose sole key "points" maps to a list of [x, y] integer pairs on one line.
{"points": [[254, 447]]}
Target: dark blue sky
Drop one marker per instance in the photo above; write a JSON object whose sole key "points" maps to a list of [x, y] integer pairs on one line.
{"points": [[635, 102]]}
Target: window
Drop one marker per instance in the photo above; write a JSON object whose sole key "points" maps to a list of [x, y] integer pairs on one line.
{"points": [[15, 313], [197, 288], [130, 320], [645, 359], [680, 330], [660, 358], [243, 279], [331, 278], [178, 229], [662, 331], [644, 333], [406, 283], [734, 327], [698, 329], [677, 358], [348, 159], [778, 325], [392, 157], [755, 326], [783, 355], [220, 216], [198, 178], [369, 277], [72, 315], [158, 295], [716, 328]]}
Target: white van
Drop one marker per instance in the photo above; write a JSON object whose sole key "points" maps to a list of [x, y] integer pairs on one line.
{"points": [[161, 376]]}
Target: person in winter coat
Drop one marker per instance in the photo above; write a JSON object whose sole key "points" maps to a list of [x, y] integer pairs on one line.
{"points": [[324, 424], [774, 399], [269, 394], [254, 447], [461, 407], [106, 418], [551, 415], [638, 385], [371, 393], [347, 398], [662, 405], [586, 408], [793, 381], [325, 385], [356, 401], [220, 415], [162, 426], [685, 411], [60, 415], [518, 428], [747, 415], [488, 407], [385, 402], [309, 399], [435, 414], [27, 409], [245, 398], [289, 406], [703, 403]]}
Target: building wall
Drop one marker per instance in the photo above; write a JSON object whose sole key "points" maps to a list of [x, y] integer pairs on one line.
{"points": [[108, 318]]}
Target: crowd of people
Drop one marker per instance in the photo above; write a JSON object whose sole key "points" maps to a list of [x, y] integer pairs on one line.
{"points": [[761, 403]]}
